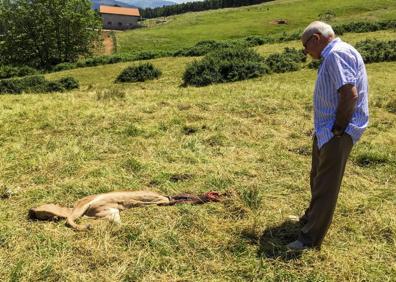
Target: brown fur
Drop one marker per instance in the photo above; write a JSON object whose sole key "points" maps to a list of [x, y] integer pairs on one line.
{"points": [[109, 205]]}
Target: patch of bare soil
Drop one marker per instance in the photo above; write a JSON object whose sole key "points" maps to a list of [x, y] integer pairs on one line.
{"points": [[107, 43]]}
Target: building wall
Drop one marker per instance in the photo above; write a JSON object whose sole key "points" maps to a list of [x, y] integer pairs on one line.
{"points": [[119, 21]]}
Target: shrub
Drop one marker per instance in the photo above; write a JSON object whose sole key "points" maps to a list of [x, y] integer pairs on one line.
{"points": [[69, 83], [372, 51], [279, 64], [36, 84], [25, 70], [207, 46], [201, 73], [90, 62], [296, 55], [113, 59], [289, 37], [360, 27], [377, 51], [64, 66], [18, 85], [33, 84], [287, 61], [141, 73], [255, 40], [147, 55], [10, 71], [10, 86], [199, 49], [224, 65], [315, 64], [54, 86]]}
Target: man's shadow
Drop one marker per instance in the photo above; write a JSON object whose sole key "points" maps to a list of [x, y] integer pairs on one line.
{"points": [[273, 241]]}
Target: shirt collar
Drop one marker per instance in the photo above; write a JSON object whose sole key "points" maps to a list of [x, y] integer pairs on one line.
{"points": [[329, 46]]}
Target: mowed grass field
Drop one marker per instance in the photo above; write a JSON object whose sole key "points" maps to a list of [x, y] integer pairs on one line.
{"points": [[185, 30], [249, 139]]}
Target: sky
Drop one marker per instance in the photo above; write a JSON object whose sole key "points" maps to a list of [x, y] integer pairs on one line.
{"points": [[183, 1]]}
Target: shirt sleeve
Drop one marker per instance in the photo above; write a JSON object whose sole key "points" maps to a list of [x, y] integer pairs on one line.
{"points": [[341, 69]]}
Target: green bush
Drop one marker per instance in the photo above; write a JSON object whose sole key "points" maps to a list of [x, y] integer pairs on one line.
{"points": [[225, 65], [64, 66], [377, 51], [256, 40], [148, 55], [113, 59], [372, 51], [296, 55], [360, 27], [289, 37], [207, 46], [10, 86], [10, 71], [287, 61], [69, 83], [53, 86], [33, 84], [36, 84], [138, 73], [315, 64], [26, 84], [279, 64], [204, 47], [202, 73]]}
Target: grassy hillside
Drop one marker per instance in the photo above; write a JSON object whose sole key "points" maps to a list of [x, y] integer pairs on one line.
{"points": [[250, 139], [187, 29]]}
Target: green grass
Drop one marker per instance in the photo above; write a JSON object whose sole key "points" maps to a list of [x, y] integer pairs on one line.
{"points": [[187, 29], [250, 139]]}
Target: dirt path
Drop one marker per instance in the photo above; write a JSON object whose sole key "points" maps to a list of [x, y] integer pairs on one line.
{"points": [[107, 43]]}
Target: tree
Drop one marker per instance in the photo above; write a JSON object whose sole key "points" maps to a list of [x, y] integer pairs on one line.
{"points": [[42, 33]]}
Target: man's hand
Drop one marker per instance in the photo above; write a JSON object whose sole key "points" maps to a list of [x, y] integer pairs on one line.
{"points": [[346, 106]]}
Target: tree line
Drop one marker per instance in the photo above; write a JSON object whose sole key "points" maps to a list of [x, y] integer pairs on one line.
{"points": [[42, 33], [196, 7]]}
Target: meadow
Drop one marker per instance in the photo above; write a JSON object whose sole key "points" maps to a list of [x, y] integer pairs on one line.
{"points": [[183, 31], [250, 140]]}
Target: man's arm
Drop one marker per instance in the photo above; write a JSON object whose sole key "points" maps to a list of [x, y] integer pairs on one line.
{"points": [[346, 106]]}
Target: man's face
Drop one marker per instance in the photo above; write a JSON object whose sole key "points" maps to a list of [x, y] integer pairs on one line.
{"points": [[312, 45]]}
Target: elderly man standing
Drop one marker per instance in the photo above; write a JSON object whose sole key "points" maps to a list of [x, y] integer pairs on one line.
{"points": [[340, 118]]}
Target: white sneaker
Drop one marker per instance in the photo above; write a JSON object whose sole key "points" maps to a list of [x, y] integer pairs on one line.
{"points": [[293, 218]]}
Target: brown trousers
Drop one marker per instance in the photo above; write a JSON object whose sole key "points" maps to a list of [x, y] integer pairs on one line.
{"points": [[328, 166]]}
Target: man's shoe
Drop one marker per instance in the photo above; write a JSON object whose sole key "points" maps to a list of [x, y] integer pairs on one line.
{"points": [[293, 218], [297, 246], [302, 220]]}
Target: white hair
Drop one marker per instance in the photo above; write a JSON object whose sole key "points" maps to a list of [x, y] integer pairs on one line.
{"points": [[318, 27]]}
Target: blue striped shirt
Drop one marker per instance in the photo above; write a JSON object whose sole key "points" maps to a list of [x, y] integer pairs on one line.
{"points": [[341, 65]]}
